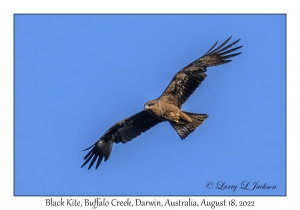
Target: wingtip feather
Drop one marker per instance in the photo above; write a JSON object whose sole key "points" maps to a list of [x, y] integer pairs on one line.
{"points": [[89, 147]]}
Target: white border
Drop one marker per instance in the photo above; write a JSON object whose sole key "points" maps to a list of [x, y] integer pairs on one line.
{"points": [[9, 8]]}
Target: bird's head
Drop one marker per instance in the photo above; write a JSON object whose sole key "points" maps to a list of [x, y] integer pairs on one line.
{"points": [[150, 104]]}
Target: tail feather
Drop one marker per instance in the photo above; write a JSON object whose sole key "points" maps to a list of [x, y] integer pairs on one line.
{"points": [[101, 149], [184, 130]]}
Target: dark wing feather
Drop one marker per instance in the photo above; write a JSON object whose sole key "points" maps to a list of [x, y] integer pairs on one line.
{"points": [[122, 131], [186, 81]]}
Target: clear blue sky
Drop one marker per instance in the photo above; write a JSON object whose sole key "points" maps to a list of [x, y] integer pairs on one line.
{"points": [[76, 75]]}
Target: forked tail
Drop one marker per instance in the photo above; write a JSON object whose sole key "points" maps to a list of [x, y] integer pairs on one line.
{"points": [[184, 130]]}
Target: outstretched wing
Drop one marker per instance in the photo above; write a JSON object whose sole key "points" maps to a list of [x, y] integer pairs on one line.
{"points": [[186, 81], [122, 131]]}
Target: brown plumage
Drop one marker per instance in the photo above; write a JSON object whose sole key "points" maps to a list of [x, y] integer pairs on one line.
{"points": [[166, 107]]}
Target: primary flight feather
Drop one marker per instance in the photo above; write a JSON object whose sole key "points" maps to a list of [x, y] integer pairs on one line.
{"points": [[166, 107]]}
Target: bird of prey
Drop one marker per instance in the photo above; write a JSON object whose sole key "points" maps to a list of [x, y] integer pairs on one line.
{"points": [[166, 107]]}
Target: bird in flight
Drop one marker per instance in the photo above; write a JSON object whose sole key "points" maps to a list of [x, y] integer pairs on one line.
{"points": [[166, 107]]}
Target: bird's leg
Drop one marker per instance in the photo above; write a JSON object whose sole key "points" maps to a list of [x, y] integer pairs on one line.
{"points": [[185, 117], [176, 119]]}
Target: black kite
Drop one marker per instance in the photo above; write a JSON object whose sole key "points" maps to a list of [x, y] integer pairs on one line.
{"points": [[166, 107]]}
